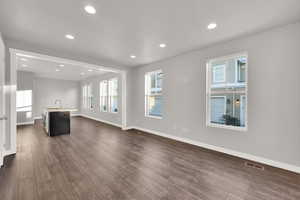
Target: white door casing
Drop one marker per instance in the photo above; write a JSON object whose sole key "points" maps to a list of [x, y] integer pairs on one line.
{"points": [[2, 108]]}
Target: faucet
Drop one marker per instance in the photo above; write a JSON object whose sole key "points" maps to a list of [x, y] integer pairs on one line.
{"points": [[58, 101]]}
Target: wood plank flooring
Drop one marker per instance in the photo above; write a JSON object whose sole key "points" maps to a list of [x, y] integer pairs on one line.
{"points": [[98, 161]]}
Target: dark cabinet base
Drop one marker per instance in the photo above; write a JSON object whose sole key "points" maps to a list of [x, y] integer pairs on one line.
{"points": [[59, 123]]}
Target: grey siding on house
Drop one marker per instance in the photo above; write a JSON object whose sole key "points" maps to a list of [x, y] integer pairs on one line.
{"points": [[273, 82]]}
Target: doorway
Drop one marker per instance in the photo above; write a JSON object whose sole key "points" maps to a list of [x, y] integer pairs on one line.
{"points": [[15, 55]]}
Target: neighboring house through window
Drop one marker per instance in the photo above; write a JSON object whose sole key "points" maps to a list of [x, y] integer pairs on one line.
{"points": [[227, 92], [219, 73], [153, 94]]}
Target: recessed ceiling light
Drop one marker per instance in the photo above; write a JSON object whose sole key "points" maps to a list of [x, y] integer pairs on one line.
{"points": [[132, 56], [70, 37], [24, 65], [61, 65], [90, 70], [162, 45], [58, 70], [24, 59], [90, 9], [211, 26], [82, 74]]}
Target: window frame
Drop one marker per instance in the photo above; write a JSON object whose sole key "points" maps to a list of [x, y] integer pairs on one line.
{"points": [[146, 92], [238, 73], [90, 105], [224, 73], [209, 85], [84, 96], [109, 96], [103, 96]]}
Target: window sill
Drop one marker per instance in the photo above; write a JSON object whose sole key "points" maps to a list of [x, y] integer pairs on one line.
{"points": [[154, 117], [235, 128]]}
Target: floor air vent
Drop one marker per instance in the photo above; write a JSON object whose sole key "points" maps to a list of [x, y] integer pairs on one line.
{"points": [[254, 165]]}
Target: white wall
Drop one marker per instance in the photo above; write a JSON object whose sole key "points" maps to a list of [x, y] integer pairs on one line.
{"points": [[113, 118], [274, 105], [46, 91]]}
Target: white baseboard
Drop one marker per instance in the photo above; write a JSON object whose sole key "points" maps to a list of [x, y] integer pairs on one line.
{"points": [[75, 115], [25, 123], [128, 128], [247, 156], [8, 152], [101, 120]]}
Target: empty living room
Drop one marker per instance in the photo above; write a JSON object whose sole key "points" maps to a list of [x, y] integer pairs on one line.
{"points": [[149, 100]]}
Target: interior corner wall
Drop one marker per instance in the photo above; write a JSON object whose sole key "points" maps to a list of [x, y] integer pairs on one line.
{"points": [[113, 118], [273, 96]]}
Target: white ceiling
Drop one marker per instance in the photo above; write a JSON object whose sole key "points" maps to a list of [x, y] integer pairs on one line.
{"points": [[121, 28], [48, 69]]}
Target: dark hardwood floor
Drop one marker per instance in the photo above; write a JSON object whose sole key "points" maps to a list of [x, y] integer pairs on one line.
{"points": [[98, 161]]}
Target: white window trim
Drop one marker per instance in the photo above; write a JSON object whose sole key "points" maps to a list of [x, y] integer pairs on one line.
{"points": [[241, 104], [147, 75], [208, 83], [238, 74], [100, 96], [90, 105], [84, 96], [223, 66], [109, 106]]}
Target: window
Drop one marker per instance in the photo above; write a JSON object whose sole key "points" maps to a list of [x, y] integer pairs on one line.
{"points": [[219, 73], [90, 104], [153, 94], [24, 102], [113, 95], [84, 96], [109, 95], [103, 96], [241, 70], [227, 92]]}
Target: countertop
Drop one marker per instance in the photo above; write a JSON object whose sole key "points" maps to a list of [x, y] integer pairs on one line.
{"points": [[61, 109]]}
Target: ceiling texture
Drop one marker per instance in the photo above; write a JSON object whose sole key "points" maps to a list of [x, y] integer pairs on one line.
{"points": [[122, 28]]}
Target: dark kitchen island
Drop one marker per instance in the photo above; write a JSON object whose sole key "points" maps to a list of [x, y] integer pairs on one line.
{"points": [[57, 121]]}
